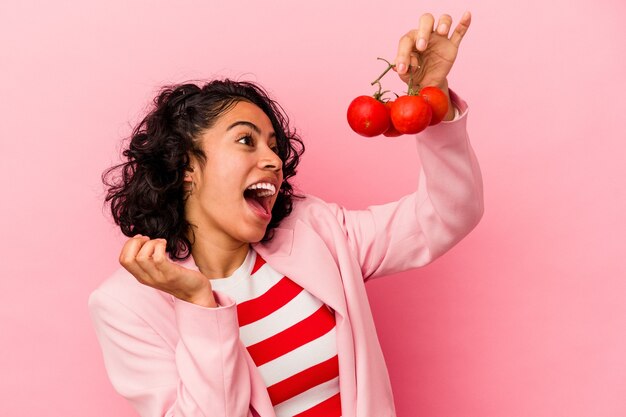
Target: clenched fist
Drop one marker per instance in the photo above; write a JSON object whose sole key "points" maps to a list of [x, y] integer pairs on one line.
{"points": [[146, 259]]}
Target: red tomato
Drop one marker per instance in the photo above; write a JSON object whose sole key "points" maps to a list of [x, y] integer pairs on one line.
{"points": [[392, 132], [367, 116], [410, 114], [438, 102]]}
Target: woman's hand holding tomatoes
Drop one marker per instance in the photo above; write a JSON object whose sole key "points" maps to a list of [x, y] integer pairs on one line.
{"points": [[146, 259], [424, 60], [437, 50]]}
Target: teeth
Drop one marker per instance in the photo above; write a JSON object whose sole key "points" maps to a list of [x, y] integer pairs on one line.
{"points": [[265, 193], [269, 189]]}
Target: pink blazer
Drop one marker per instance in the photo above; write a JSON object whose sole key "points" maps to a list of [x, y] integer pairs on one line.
{"points": [[172, 358]]}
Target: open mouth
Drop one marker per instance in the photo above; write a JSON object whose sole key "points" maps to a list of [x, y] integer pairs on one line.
{"points": [[259, 200]]}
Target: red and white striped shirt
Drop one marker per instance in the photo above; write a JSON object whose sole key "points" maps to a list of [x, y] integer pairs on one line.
{"points": [[290, 335]]}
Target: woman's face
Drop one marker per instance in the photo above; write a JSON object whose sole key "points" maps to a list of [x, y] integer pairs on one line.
{"points": [[241, 151]]}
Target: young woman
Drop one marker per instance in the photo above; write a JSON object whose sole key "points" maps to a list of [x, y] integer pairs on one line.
{"points": [[238, 297]]}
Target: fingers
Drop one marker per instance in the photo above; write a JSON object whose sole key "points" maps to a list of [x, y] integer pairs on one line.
{"points": [[128, 256], [405, 47], [424, 30], [143, 257], [407, 58], [415, 66], [151, 257], [417, 40], [444, 25], [461, 29], [147, 261]]}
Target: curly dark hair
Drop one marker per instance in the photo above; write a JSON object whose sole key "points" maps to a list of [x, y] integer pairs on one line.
{"points": [[146, 192]]}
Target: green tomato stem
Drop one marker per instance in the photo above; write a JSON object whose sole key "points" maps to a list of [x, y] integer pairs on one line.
{"points": [[389, 66], [378, 93]]}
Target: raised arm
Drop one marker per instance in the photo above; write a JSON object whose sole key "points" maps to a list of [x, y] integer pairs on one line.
{"points": [[448, 203], [421, 226]]}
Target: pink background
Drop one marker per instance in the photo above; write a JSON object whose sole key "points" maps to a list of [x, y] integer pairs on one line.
{"points": [[525, 317]]}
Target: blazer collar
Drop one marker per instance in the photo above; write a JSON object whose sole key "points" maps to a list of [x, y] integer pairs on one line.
{"points": [[302, 256]]}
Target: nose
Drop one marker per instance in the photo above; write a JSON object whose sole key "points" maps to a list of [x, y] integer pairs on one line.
{"points": [[270, 160]]}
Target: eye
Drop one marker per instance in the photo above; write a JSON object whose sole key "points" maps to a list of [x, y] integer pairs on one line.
{"points": [[246, 140]]}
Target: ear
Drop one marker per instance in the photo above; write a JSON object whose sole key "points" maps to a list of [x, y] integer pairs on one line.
{"points": [[188, 182], [189, 172]]}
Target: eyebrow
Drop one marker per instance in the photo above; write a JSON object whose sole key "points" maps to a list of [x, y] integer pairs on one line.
{"points": [[250, 125]]}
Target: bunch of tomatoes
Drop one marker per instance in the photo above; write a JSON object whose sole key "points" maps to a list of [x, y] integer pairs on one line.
{"points": [[372, 115]]}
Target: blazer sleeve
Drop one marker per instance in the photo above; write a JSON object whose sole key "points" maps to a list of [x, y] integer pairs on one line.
{"points": [[421, 226], [204, 375]]}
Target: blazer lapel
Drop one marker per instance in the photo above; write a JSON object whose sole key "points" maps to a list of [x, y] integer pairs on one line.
{"points": [[301, 255]]}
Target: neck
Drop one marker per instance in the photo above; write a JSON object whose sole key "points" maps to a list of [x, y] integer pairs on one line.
{"points": [[217, 260]]}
